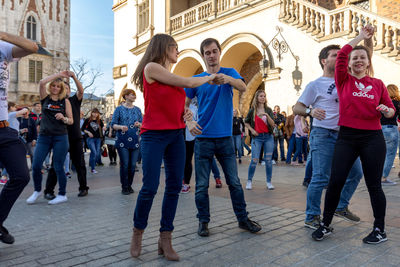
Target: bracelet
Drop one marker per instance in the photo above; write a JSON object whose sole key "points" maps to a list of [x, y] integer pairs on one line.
{"points": [[66, 120]]}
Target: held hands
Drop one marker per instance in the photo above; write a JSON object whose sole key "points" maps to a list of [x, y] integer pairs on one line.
{"points": [[318, 113], [193, 127], [221, 78], [367, 32], [187, 115]]}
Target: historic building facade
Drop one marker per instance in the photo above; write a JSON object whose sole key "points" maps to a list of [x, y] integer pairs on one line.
{"points": [[46, 22], [273, 44]]}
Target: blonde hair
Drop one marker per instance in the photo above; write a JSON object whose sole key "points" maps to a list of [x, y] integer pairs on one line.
{"points": [[255, 102], [63, 91], [237, 112], [393, 92]]}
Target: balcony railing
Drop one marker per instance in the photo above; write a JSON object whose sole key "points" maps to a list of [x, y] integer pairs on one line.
{"points": [[347, 21], [203, 11]]}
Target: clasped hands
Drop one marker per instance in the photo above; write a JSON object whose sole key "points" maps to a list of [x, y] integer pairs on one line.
{"points": [[219, 79]]}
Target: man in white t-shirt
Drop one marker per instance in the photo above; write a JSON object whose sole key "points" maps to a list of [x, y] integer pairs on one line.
{"points": [[321, 94], [12, 150]]}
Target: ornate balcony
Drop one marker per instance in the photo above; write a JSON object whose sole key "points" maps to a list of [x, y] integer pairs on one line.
{"points": [[323, 24]]}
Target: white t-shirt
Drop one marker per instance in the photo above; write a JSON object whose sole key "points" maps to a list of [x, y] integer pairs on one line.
{"points": [[5, 60], [322, 93]]}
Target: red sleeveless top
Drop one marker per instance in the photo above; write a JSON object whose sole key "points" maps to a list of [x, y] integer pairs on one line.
{"points": [[164, 106]]}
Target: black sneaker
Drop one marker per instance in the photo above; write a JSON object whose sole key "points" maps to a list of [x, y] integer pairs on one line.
{"points": [[5, 237], [130, 189], [322, 232], [125, 191], [49, 196], [83, 193], [375, 237], [250, 226]]}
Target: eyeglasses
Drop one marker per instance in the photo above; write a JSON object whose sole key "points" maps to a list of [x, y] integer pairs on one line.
{"points": [[174, 45]]}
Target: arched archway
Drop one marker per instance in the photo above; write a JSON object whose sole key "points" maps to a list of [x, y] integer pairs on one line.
{"points": [[189, 63]]}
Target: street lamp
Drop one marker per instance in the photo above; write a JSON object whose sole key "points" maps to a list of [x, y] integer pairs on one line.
{"points": [[297, 77], [264, 66]]}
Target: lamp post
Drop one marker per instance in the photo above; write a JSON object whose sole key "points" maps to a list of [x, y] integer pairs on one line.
{"points": [[281, 47]]}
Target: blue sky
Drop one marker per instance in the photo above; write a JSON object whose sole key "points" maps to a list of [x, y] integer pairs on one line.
{"points": [[92, 34]]}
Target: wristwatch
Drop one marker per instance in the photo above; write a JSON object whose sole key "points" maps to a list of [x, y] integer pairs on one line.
{"points": [[308, 111]]}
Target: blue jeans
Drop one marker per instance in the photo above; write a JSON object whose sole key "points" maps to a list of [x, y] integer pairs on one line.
{"points": [[156, 145], [292, 145], [95, 153], [322, 144], [281, 141], [244, 145], [59, 144], [301, 149], [215, 170], [391, 135], [128, 158], [222, 148], [265, 140], [237, 143], [308, 173]]}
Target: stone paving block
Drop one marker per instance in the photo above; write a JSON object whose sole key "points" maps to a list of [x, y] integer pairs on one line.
{"points": [[53, 259], [102, 261], [73, 261], [106, 252]]}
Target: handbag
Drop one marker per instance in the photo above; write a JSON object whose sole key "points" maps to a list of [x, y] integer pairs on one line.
{"points": [[104, 152]]}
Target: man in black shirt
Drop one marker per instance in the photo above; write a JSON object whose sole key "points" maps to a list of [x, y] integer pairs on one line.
{"points": [[75, 143]]}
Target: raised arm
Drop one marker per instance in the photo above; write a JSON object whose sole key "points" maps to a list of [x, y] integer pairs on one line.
{"points": [[44, 81], [156, 72], [79, 87], [23, 46]]}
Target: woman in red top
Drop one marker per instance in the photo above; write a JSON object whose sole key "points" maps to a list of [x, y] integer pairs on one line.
{"points": [[260, 124], [363, 100], [161, 137]]}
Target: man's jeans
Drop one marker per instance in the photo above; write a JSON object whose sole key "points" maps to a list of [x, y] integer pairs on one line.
{"points": [[322, 145], [391, 134], [291, 147], [281, 141], [13, 157], [94, 145], [155, 146], [128, 158], [222, 148], [265, 140], [59, 144]]}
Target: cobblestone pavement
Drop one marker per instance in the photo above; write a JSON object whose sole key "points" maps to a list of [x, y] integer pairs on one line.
{"points": [[96, 230]]}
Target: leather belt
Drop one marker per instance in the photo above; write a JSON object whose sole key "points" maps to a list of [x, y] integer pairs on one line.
{"points": [[4, 124]]}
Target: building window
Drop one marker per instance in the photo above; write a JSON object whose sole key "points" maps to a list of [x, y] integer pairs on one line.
{"points": [[35, 71], [143, 16], [120, 71], [31, 28]]}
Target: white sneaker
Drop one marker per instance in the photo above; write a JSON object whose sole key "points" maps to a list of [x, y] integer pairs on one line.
{"points": [[33, 197], [59, 199], [262, 163], [248, 185], [270, 186], [273, 162]]}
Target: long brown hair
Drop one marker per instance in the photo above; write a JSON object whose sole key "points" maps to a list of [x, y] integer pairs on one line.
{"points": [[156, 52], [370, 69], [255, 102], [95, 110], [393, 92]]}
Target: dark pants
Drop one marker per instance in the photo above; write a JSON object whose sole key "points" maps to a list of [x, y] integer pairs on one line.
{"points": [[13, 157], [370, 146], [78, 160], [222, 148], [112, 153], [281, 141], [155, 146], [128, 158]]}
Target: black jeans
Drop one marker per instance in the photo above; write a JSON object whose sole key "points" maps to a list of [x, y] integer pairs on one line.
{"points": [[13, 157], [77, 158], [112, 153], [188, 161], [370, 146]]}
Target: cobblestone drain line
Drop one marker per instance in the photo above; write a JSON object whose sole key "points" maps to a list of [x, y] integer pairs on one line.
{"points": [[96, 231]]}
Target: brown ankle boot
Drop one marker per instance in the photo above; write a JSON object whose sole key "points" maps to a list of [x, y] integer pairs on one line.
{"points": [[136, 242], [165, 247]]}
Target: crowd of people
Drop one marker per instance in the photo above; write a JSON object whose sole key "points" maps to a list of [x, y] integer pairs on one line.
{"points": [[343, 127]]}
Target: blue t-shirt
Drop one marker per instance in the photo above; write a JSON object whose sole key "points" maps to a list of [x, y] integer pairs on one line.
{"points": [[127, 117], [215, 105]]}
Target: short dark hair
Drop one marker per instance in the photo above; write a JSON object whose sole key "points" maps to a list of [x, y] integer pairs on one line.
{"points": [[207, 42], [325, 53], [36, 103]]}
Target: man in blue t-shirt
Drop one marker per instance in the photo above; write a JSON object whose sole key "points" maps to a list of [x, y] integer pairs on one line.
{"points": [[214, 136]]}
